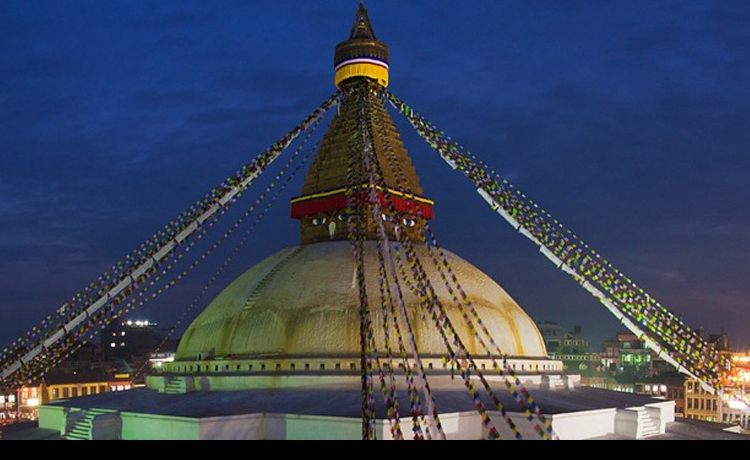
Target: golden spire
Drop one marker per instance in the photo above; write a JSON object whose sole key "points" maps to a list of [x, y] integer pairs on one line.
{"points": [[322, 209], [362, 27], [362, 55]]}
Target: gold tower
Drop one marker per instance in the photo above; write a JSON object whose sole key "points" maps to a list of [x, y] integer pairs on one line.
{"points": [[361, 66]]}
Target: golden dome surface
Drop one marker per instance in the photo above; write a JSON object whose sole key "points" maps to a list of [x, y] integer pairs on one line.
{"points": [[304, 301]]}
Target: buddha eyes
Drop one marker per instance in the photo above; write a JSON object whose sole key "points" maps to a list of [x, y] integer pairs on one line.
{"points": [[407, 221]]}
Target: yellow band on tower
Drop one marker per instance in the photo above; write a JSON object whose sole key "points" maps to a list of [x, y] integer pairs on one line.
{"points": [[356, 68]]}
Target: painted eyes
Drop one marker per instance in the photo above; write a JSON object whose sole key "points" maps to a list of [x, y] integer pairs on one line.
{"points": [[407, 221]]}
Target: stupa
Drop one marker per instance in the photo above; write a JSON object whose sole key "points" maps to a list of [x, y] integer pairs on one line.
{"points": [[293, 348], [299, 310]]}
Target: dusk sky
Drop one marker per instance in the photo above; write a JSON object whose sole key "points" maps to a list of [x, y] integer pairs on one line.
{"points": [[629, 122]]}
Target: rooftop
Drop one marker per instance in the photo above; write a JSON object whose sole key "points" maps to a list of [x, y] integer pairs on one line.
{"points": [[346, 403]]}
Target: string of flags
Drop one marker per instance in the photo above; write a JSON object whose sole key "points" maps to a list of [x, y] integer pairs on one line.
{"points": [[408, 271], [61, 333], [659, 328]]}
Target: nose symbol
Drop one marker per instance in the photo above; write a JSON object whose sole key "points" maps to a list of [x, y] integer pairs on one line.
{"points": [[332, 229]]}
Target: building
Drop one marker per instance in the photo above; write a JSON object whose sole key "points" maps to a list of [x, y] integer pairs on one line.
{"points": [[669, 386], [9, 408], [731, 407], [558, 340], [24, 404], [333, 338], [130, 340], [572, 348], [700, 404], [628, 356], [736, 408]]}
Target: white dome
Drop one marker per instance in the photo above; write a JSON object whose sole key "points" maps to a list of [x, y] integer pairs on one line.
{"points": [[304, 301]]}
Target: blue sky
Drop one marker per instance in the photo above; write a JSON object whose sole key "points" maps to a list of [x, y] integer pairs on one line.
{"points": [[628, 121]]}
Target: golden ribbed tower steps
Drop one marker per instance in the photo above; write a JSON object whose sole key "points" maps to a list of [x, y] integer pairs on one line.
{"points": [[363, 122]]}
